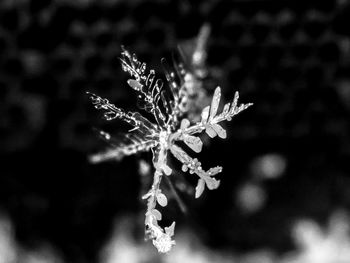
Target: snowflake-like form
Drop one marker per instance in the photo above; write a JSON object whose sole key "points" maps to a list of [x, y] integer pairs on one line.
{"points": [[162, 135]]}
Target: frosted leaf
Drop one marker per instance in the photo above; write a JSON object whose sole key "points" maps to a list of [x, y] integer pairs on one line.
{"points": [[129, 68], [162, 200], [226, 108], [166, 169], [184, 124], [205, 114], [180, 154], [244, 107], [215, 170], [234, 103], [199, 54], [210, 131], [211, 182], [200, 187], [170, 230], [156, 214], [219, 130], [194, 143], [215, 103], [134, 84]]}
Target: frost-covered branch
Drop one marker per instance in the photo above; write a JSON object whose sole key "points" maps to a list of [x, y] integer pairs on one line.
{"points": [[210, 119], [173, 124], [161, 238], [194, 166], [148, 87]]}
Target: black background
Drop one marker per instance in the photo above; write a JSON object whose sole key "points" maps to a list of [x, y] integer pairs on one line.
{"points": [[291, 58]]}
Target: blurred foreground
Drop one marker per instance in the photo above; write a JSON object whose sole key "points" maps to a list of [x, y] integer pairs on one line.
{"points": [[330, 244]]}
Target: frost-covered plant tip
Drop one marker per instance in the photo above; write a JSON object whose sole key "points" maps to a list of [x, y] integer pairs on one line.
{"points": [[162, 134]]}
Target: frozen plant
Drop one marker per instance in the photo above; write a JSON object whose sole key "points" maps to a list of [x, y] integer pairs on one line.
{"points": [[193, 56], [162, 134], [191, 76]]}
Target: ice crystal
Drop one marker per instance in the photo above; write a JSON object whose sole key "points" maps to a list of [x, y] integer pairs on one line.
{"points": [[195, 75], [161, 135]]}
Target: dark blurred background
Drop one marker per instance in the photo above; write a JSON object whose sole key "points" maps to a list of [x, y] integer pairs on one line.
{"points": [[285, 159]]}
